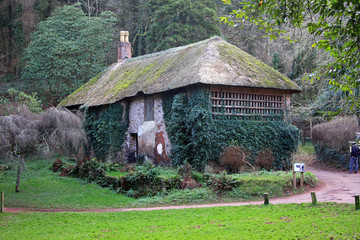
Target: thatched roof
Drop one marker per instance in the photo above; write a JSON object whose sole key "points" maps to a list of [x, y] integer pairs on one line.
{"points": [[212, 61]]}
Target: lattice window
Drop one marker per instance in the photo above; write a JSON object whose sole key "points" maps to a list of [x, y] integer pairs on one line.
{"points": [[242, 105]]}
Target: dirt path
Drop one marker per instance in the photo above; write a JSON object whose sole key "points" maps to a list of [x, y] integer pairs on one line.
{"points": [[335, 186]]}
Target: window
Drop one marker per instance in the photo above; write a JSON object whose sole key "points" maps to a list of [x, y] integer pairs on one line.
{"points": [[241, 105], [149, 108]]}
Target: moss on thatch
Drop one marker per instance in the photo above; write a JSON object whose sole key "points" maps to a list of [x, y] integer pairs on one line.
{"points": [[213, 61]]}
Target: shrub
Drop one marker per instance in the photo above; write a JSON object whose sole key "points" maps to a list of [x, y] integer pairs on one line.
{"points": [[57, 165], [331, 140], [333, 157], [54, 131], [224, 183], [233, 157], [187, 181], [301, 156], [265, 159], [336, 134], [15, 101]]}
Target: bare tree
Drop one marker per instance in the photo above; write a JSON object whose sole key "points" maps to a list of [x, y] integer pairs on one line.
{"points": [[56, 130]]}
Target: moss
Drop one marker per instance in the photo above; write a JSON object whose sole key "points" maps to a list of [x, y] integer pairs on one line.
{"points": [[253, 68], [175, 68], [83, 90]]}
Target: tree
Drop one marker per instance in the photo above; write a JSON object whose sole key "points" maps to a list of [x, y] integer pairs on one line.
{"points": [[336, 23], [66, 50], [180, 22]]}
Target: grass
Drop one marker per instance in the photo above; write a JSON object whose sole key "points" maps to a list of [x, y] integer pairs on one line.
{"points": [[293, 221], [307, 148], [41, 188]]}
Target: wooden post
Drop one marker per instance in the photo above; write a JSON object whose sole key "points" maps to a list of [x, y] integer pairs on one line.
{"points": [[266, 198], [357, 202], [294, 179], [302, 134], [313, 198], [302, 180], [2, 200]]}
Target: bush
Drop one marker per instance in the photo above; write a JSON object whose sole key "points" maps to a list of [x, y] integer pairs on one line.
{"points": [[57, 165], [54, 131], [16, 100], [232, 158], [301, 156], [333, 157], [265, 159], [336, 134], [224, 183], [331, 140]]}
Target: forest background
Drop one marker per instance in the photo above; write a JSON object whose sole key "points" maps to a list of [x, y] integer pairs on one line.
{"points": [[154, 25]]}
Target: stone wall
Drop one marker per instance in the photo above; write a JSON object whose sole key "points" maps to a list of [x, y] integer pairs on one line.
{"points": [[148, 138]]}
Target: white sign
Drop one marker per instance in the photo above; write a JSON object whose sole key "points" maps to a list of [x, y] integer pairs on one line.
{"points": [[299, 167]]}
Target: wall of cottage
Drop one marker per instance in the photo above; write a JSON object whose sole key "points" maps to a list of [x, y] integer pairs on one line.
{"points": [[148, 138]]}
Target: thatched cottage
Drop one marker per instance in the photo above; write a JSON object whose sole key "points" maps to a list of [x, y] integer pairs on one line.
{"points": [[236, 86]]}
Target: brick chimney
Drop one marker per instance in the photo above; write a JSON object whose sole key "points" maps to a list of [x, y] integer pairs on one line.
{"points": [[124, 47]]}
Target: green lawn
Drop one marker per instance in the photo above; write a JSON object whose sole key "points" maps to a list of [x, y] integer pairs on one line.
{"points": [[294, 221], [41, 188]]}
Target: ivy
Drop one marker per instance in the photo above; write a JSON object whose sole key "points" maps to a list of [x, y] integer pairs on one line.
{"points": [[190, 128], [106, 129], [279, 136], [197, 138]]}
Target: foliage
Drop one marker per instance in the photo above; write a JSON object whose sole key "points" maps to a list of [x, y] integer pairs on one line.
{"points": [[190, 128], [232, 158], [336, 134], [265, 159], [180, 22], [197, 138], [106, 127], [54, 131], [281, 137], [66, 50], [333, 157], [335, 23], [45, 189], [12, 103], [224, 183], [303, 156], [331, 140]]}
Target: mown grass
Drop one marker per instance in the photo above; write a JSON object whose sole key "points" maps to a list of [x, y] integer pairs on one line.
{"points": [[41, 188], [293, 221]]}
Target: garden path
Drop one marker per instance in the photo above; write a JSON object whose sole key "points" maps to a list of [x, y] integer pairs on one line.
{"points": [[335, 186]]}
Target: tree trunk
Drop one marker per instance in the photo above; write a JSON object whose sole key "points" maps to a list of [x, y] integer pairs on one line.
{"points": [[17, 187], [18, 177]]}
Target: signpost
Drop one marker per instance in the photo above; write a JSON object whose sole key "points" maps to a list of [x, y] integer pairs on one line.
{"points": [[298, 167]]}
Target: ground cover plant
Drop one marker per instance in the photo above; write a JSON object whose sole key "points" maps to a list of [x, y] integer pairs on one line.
{"points": [[292, 221]]}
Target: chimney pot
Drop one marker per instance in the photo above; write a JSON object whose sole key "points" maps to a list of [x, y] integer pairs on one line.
{"points": [[124, 46]]}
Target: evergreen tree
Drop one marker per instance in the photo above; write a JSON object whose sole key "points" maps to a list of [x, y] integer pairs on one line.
{"points": [[180, 22], [67, 50]]}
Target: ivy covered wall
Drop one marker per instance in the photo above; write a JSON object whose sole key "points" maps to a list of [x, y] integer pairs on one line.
{"points": [[198, 139], [106, 127]]}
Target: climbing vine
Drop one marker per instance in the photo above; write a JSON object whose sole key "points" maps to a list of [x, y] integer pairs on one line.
{"points": [[197, 138], [106, 127]]}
